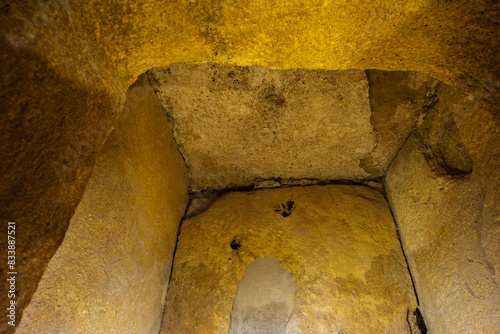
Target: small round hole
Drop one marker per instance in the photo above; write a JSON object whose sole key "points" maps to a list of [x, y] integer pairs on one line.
{"points": [[235, 244]]}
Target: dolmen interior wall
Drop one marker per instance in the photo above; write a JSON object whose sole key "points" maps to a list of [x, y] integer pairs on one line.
{"points": [[97, 171]]}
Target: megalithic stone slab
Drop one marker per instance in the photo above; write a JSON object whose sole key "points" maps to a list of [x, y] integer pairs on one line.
{"points": [[339, 242]]}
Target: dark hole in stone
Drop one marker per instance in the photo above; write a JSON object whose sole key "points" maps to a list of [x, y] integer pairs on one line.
{"points": [[235, 244], [286, 208], [420, 321]]}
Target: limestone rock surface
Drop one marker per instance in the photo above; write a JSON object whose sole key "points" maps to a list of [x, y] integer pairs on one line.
{"points": [[264, 300], [110, 274], [235, 125], [339, 242], [444, 190], [66, 66], [398, 100]]}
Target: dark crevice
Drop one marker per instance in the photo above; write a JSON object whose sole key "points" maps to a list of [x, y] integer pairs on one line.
{"points": [[416, 322], [172, 123], [402, 248], [209, 193], [425, 110], [418, 316], [170, 120], [420, 321], [397, 152], [173, 260]]}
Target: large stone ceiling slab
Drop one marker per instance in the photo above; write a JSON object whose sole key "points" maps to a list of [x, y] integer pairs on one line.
{"points": [[234, 125]]}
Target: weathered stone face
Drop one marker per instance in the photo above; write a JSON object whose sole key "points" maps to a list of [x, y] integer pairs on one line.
{"points": [[339, 243], [398, 101], [111, 273], [66, 66], [234, 124], [443, 188], [264, 300]]}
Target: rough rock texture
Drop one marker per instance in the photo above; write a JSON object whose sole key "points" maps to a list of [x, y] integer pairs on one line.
{"points": [[65, 67], [398, 100], [264, 300], [235, 124], [444, 189], [110, 274], [339, 242]]}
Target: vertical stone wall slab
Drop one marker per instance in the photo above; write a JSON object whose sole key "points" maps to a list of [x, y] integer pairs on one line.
{"points": [[339, 242], [111, 272], [444, 190]]}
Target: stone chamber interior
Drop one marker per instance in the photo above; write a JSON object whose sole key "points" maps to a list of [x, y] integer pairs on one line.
{"points": [[251, 167]]}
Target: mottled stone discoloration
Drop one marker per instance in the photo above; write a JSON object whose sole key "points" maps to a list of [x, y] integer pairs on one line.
{"points": [[444, 190], [398, 101], [235, 125], [66, 66], [339, 242]]}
